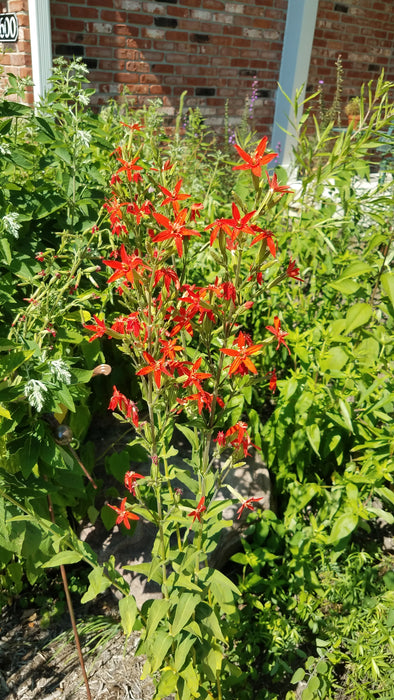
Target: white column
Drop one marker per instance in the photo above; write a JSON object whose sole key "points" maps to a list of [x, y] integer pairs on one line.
{"points": [[41, 45], [294, 69]]}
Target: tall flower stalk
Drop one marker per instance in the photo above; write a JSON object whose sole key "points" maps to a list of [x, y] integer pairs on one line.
{"points": [[188, 342]]}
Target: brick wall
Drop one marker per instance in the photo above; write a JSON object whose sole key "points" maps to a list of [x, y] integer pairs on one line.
{"points": [[159, 48], [15, 57], [212, 48], [362, 31]]}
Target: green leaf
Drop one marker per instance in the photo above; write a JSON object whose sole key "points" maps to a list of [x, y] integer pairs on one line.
{"points": [[182, 651], [343, 527], [345, 413], [157, 612], [185, 608], [98, 584], [67, 557], [313, 435], [158, 648], [190, 435], [128, 612], [358, 315], [387, 282], [166, 685], [192, 679], [298, 676], [346, 287], [334, 359]]}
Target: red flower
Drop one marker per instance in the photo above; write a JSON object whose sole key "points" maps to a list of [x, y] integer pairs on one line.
{"points": [[99, 329], [273, 380], [193, 376], [130, 168], [275, 187], [132, 127], [125, 405], [174, 230], [241, 438], [275, 329], [218, 225], [129, 480], [169, 275], [129, 267], [257, 159], [292, 271], [242, 361], [173, 197], [247, 504], [169, 348], [124, 515], [261, 235], [158, 367], [240, 224], [196, 514]]}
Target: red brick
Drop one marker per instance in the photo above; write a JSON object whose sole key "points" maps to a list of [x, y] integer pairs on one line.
{"points": [[71, 25], [84, 12], [113, 16], [110, 40]]}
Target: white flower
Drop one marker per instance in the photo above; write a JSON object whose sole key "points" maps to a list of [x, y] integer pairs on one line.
{"points": [[35, 393], [5, 150], [83, 99], [83, 138], [11, 224], [60, 371]]}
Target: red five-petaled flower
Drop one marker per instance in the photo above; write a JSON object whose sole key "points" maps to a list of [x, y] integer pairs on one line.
{"points": [[196, 514], [127, 406], [173, 197], [275, 329], [158, 367], [173, 229], [256, 160], [124, 515], [129, 481], [98, 328], [275, 187], [242, 361], [130, 168], [247, 504], [292, 271]]}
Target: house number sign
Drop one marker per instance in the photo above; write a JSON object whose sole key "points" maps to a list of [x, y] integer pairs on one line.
{"points": [[8, 27]]}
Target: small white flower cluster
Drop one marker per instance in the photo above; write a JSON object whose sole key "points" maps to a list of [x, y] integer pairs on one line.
{"points": [[35, 393], [83, 138], [60, 371], [5, 150], [11, 224]]}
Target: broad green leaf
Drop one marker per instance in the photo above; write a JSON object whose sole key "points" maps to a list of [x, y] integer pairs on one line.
{"points": [[347, 287], [380, 513], [343, 527], [334, 359], [167, 684], [157, 612], [190, 435], [184, 610], [355, 270], [67, 557], [358, 315], [345, 413], [313, 435], [192, 679], [367, 351], [158, 648], [98, 584], [298, 676], [128, 612], [182, 651], [387, 282]]}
